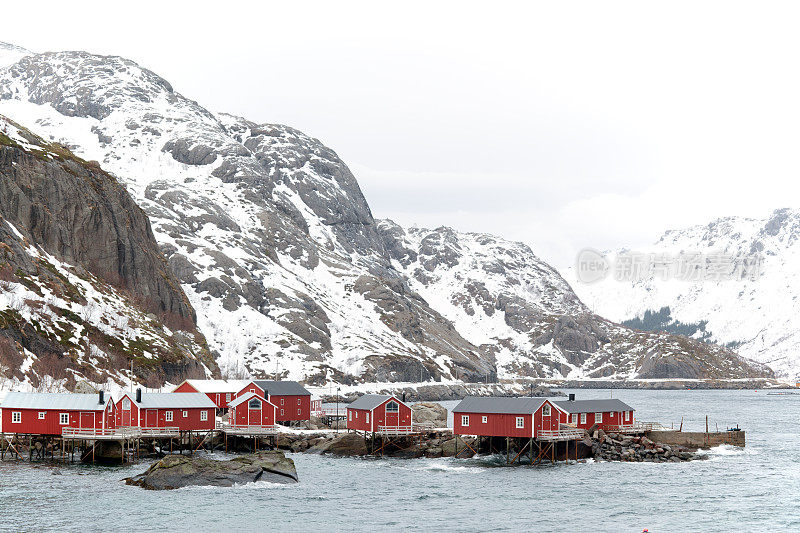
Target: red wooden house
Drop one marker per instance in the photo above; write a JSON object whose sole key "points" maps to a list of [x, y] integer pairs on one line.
{"points": [[186, 412], [292, 399], [220, 391], [49, 413], [379, 413], [586, 413], [251, 409], [505, 417]]}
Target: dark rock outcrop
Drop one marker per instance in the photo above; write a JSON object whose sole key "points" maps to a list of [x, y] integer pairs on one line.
{"points": [[176, 471]]}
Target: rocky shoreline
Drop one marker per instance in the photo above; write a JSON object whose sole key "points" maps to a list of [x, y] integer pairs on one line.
{"points": [[549, 387]]}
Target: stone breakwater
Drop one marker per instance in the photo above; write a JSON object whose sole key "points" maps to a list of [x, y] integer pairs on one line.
{"points": [[616, 447]]}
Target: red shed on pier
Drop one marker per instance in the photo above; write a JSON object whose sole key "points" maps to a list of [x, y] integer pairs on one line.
{"points": [[40, 413], [586, 413], [185, 412], [379, 413], [251, 409], [505, 417]]}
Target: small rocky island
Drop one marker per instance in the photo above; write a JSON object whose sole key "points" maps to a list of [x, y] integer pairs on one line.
{"points": [[176, 471]]}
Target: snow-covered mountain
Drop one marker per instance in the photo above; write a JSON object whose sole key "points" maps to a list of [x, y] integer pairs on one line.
{"points": [[279, 254], [85, 293], [756, 314]]}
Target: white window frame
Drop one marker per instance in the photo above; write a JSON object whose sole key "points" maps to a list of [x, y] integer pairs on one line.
{"points": [[16, 417], [63, 418], [185, 413], [203, 415], [465, 420], [356, 415], [627, 416], [281, 412], [42, 415], [298, 401], [520, 422], [367, 421], [168, 416], [484, 419], [126, 404], [282, 401], [228, 397], [583, 418], [395, 404], [574, 418], [598, 418], [546, 409], [350, 416]]}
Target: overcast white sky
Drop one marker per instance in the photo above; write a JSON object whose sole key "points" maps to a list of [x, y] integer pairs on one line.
{"points": [[561, 124]]}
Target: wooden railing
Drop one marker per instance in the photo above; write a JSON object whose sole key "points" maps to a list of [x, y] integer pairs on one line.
{"points": [[249, 429], [123, 432], [327, 411], [635, 427], [563, 433], [395, 430]]}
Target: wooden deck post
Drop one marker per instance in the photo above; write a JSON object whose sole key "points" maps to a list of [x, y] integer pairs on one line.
{"points": [[508, 449]]}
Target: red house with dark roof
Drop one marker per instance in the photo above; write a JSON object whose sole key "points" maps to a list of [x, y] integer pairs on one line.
{"points": [[251, 409], [49, 413], [505, 417], [379, 413], [292, 399], [586, 413]]}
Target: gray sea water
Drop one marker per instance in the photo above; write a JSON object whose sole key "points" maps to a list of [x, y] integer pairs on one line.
{"points": [[755, 489]]}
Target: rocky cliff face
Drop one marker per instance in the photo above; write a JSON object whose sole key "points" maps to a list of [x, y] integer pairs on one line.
{"points": [[275, 246], [85, 288]]}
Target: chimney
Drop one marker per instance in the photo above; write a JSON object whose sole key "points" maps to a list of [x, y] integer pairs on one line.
{"points": [[101, 397], [404, 397], [138, 395], [572, 397]]}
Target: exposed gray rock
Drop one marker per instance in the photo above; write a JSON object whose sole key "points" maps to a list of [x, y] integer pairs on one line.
{"points": [[176, 471]]}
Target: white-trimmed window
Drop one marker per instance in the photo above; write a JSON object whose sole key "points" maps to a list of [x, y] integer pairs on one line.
{"points": [[464, 420], [42, 415], [484, 419], [546, 409], [228, 397], [185, 413], [598, 417], [16, 417], [520, 422], [392, 407], [168, 416], [282, 401], [583, 418], [126, 404], [627, 416], [298, 401], [281, 412], [63, 418], [254, 403], [298, 411], [367, 418], [203, 416], [356, 415], [350, 416], [574, 417]]}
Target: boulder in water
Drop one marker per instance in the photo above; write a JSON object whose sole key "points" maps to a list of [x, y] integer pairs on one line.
{"points": [[177, 471]]}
